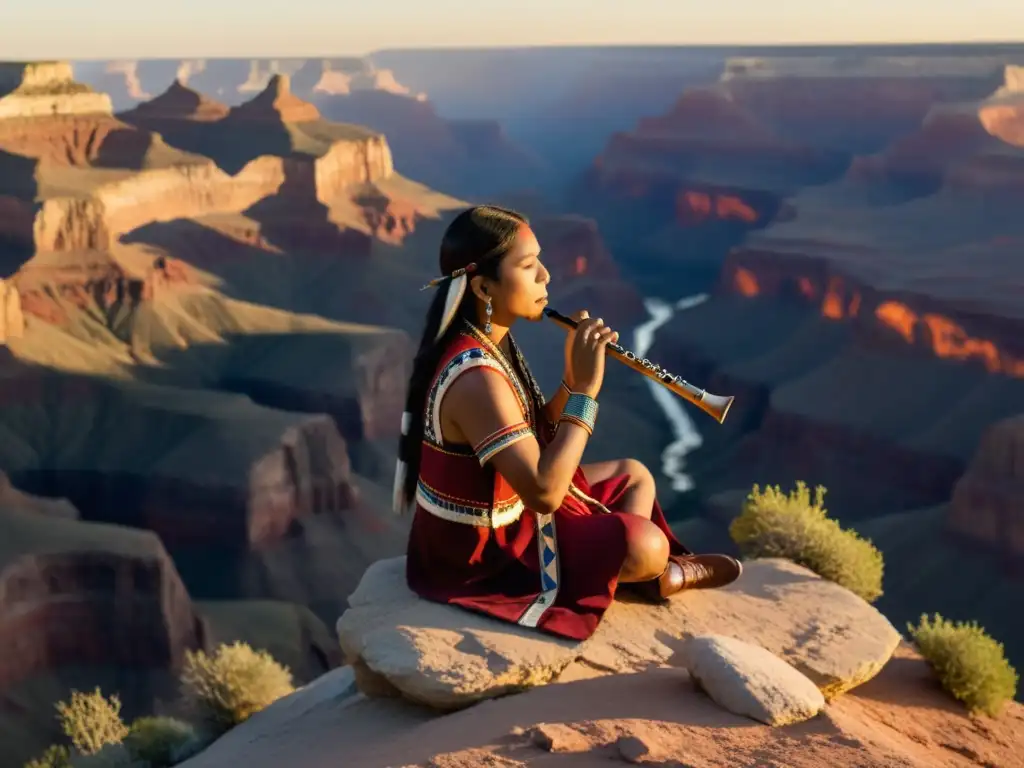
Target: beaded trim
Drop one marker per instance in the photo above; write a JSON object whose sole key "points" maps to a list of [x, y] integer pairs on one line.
{"points": [[500, 439], [464, 361], [524, 399], [469, 514], [547, 552]]}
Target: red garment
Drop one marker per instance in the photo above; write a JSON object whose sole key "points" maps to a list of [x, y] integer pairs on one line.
{"points": [[474, 544]]}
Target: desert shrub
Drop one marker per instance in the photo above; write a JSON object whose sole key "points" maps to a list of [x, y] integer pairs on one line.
{"points": [[162, 741], [229, 686], [55, 756], [970, 664], [796, 527], [91, 721]]}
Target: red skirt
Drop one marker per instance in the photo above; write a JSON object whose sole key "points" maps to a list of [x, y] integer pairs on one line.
{"points": [[497, 571]]}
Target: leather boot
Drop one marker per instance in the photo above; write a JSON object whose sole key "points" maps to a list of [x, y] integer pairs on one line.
{"points": [[690, 572]]}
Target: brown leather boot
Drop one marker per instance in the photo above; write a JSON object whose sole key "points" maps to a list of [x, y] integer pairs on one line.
{"points": [[708, 571], [690, 572]]}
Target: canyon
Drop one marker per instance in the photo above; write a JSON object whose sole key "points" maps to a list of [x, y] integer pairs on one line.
{"points": [[463, 157], [206, 346], [865, 305], [209, 304]]}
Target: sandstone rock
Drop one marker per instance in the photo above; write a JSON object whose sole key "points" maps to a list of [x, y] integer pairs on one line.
{"points": [[329, 690], [43, 89], [987, 501], [823, 630], [12, 321], [74, 593], [748, 680], [632, 749], [556, 737], [238, 476], [437, 655], [52, 286], [277, 102], [178, 102], [179, 156], [468, 159], [449, 658]]}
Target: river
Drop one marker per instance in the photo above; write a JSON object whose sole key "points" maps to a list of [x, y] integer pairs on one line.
{"points": [[685, 435]]}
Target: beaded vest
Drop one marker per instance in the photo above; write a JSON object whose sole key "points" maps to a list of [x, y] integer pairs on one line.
{"points": [[454, 483]]}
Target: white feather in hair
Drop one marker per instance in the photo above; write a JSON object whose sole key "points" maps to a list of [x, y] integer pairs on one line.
{"points": [[456, 289]]}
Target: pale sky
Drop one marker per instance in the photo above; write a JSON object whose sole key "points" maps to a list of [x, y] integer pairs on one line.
{"points": [[84, 29]]}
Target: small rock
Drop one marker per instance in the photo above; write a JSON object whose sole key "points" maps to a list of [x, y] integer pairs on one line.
{"points": [[555, 737], [632, 748], [751, 681]]}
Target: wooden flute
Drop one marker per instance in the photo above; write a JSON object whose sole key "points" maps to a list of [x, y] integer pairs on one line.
{"points": [[716, 406]]}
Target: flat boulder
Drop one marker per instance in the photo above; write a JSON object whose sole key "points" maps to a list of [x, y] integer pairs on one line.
{"points": [[439, 655], [748, 680], [449, 658]]}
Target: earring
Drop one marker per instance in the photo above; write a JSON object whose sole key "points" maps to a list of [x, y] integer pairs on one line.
{"points": [[488, 310]]}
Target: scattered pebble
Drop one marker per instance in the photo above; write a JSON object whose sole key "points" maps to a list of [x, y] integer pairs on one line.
{"points": [[555, 737]]}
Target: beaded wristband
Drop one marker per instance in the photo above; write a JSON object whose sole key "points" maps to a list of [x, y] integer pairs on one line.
{"points": [[580, 409]]}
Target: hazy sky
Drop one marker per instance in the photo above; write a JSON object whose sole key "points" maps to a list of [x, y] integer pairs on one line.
{"points": [[70, 29]]}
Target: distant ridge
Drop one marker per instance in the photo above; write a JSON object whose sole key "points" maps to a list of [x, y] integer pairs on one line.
{"points": [[183, 103], [277, 102]]}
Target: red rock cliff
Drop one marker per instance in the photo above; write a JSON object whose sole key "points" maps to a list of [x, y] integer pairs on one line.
{"points": [[894, 307], [50, 285], [88, 594], [987, 501], [99, 177]]}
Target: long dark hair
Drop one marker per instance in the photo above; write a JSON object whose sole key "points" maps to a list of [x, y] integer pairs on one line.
{"points": [[482, 236]]}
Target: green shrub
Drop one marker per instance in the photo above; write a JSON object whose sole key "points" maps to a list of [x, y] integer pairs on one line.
{"points": [[55, 756], [970, 664], [92, 721], [793, 526], [226, 688], [161, 741]]}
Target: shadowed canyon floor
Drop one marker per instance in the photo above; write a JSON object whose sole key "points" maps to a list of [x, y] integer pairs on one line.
{"points": [[209, 304]]}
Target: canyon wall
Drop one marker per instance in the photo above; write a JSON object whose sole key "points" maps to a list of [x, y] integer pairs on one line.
{"points": [[84, 594], [118, 207], [884, 316], [100, 177], [44, 89], [213, 469], [12, 318], [986, 506]]}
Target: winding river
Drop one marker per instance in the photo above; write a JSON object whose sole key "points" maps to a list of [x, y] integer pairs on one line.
{"points": [[685, 436]]}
